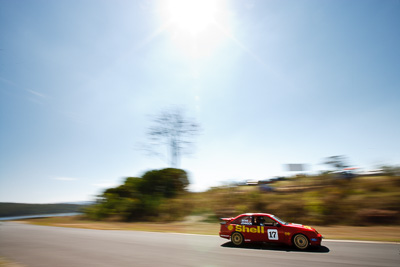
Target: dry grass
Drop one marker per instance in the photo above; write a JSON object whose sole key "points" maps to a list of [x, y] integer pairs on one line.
{"points": [[370, 233], [193, 225], [7, 263], [189, 226]]}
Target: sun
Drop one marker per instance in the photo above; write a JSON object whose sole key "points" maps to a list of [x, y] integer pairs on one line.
{"points": [[194, 25], [192, 16]]}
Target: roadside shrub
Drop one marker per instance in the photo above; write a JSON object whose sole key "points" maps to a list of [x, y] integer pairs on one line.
{"points": [[375, 216], [323, 200], [143, 198], [174, 209], [95, 212]]}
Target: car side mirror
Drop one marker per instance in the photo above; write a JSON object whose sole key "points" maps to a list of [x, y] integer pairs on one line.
{"points": [[277, 225]]}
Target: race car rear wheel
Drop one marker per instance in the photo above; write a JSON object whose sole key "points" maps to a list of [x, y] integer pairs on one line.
{"points": [[237, 239], [301, 241]]}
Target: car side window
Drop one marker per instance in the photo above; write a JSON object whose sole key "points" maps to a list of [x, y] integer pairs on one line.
{"points": [[259, 220], [269, 222]]}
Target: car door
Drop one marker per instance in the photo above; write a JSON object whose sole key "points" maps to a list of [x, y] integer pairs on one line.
{"points": [[273, 234], [252, 232], [271, 231], [245, 226]]}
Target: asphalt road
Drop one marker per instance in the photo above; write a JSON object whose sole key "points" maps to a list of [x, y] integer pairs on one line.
{"points": [[44, 246]]}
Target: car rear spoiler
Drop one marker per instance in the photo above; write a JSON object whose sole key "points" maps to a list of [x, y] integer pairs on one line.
{"points": [[226, 220]]}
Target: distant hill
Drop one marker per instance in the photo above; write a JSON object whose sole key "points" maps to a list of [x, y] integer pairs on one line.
{"points": [[22, 209]]}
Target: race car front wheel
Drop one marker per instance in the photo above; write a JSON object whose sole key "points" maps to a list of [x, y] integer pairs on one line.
{"points": [[301, 241], [237, 239]]}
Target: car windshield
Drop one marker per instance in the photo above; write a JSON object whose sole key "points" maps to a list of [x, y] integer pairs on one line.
{"points": [[279, 220]]}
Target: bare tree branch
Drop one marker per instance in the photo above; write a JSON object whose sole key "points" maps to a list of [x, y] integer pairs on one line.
{"points": [[172, 130]]}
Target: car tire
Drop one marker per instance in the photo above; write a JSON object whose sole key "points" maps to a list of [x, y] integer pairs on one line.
{"points": [[301, 242], [237, 239]]}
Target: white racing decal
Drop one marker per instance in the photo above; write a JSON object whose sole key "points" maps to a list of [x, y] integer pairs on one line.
{"points": [[272, 234], [246, 222]]}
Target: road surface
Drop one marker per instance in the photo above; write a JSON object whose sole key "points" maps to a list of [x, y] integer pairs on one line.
{"points": [[43, 246]]}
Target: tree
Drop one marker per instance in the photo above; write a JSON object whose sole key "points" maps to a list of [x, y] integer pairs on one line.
{"points": [[166, 182], [144, 198], [338, 162], [171, 129], [391, 170]]}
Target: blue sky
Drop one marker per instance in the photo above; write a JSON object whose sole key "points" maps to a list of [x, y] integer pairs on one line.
{"points": [[271, 82]]}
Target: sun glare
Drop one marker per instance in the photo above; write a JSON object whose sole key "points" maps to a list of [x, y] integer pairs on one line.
{"points": [[195, 25], [193, 16]]}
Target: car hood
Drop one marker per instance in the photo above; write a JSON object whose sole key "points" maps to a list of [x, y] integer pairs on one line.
{"points": [[300, 226]]}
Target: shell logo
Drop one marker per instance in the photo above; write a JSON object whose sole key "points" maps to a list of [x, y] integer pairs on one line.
{"points": [[230, 227]]}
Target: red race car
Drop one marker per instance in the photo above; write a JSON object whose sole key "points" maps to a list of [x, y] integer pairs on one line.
{"points": [[263, 227]]}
